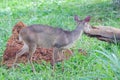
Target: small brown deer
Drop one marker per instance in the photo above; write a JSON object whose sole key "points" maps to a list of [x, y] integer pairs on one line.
{"points": [[48, 37]]}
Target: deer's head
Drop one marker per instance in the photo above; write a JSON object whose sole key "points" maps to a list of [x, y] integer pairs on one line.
{"points": [[83, 23]]}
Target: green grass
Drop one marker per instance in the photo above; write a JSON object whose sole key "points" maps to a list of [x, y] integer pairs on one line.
{"points": [[103, 59]]}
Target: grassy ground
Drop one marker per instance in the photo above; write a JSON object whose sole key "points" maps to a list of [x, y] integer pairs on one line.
{"points": [[103, 59]]}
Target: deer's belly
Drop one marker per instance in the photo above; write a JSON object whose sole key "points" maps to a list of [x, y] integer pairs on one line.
{"points": [[44, 45], [68, 46]]}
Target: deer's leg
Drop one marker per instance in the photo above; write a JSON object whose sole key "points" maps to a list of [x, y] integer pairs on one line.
{"points": [[55, 51], [70, 51], [21, 52], [32, 49], [61, 55]]}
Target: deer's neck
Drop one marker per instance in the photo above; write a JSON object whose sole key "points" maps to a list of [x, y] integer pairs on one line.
{"points": [[76, 34]]}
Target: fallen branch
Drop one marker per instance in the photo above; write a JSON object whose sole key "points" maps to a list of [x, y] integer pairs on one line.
{"points": [[104, 33]]}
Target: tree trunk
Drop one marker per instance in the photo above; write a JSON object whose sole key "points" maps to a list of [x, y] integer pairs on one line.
{"points": [[116, 3]]}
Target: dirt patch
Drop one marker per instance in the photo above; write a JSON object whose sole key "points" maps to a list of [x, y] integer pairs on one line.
{"points": [[14, 45]]}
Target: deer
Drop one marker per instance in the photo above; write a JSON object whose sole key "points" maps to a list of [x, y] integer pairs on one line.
{"points": [[38, 35]]}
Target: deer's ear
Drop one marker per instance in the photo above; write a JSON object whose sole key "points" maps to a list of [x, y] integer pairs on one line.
{"points": [[87, 19], [76, 18]]}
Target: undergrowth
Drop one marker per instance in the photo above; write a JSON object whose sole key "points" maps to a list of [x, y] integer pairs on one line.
{"points": [[102, 61]]}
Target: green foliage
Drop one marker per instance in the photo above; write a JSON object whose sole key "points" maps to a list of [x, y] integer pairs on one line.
{"points": [[111, 60], [103, 59]]}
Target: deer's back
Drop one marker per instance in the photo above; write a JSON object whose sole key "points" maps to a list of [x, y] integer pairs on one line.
{"points": [[44, 36]]}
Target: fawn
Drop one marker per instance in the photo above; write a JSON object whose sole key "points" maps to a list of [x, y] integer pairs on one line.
{"points": [[48, 37]]}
